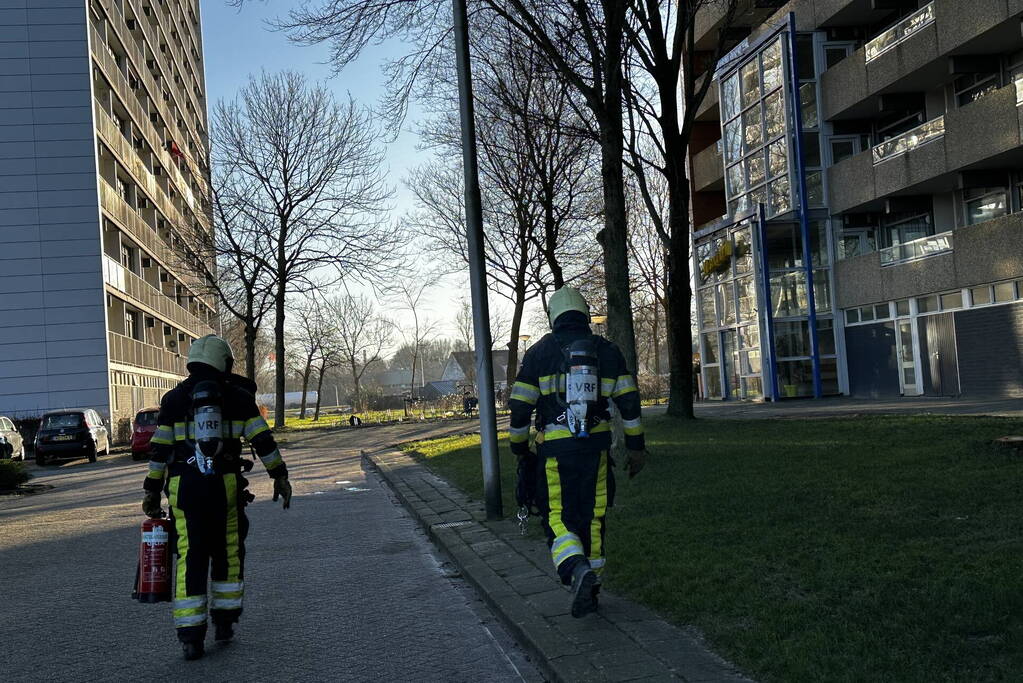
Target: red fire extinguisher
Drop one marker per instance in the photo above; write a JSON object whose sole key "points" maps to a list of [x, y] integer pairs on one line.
{"points": [[152, 577]]}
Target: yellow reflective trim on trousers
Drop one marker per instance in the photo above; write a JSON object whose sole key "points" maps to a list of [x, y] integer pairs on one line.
{"points": [[234, 564], [599, 508], [155, 474], [232, 594], [554, 497], [181, 526], [607, 385], [189, 611]]}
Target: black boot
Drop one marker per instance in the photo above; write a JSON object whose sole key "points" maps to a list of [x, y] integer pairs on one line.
{"points": [[584, 584], [193, 649], [224, 632]]}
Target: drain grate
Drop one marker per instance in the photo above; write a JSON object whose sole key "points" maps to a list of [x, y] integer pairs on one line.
{"points": [[451, 525]]}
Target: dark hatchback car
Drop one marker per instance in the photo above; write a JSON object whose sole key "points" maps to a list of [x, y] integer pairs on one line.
{"points": [[69, 434]]}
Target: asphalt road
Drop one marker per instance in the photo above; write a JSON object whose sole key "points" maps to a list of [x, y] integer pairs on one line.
{"points": [[343, 586]]}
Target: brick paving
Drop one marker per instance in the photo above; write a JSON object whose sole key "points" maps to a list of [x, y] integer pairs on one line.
{"points": [[343, 586], [622, 642]]}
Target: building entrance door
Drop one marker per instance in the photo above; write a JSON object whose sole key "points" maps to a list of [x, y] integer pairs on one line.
{"points": [[908, 355]]}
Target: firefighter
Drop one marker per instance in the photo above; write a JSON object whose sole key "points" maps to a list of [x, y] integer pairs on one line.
{"points": [[196, 460], [568, 378]]}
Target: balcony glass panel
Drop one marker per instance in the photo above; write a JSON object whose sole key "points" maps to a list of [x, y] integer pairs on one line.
{"points": [[910, 140], [772, 66], [900, 32], [917, 249]]}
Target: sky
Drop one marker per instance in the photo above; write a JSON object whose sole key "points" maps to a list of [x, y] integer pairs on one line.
{"points": [[238, 43]]}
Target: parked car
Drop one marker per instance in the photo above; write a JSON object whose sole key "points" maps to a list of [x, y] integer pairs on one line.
{"points": [[12, 445], [142, 430], [69, 434]]}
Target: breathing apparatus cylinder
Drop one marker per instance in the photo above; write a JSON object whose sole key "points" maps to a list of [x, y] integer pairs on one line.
{"points": [[208, 418], [582, 385]]}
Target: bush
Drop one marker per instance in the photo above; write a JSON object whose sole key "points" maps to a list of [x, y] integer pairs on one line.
{"points": [[12, 474]]}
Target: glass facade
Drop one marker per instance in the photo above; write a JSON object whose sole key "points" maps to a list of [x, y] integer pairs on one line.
{"points": [[752, 285]]}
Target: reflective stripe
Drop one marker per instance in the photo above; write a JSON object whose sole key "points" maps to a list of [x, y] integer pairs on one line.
{"points": [[565, 547], [624, 385], [597, 563], [190, 620], [164, 435], [566, 544], [550, 384], [607, 385], [226, 586], [555, 431], [231, 538], [180, 431], [254, 427], [154, 474], [633, 427], [182, 528], [157, 467], [189, 603], [518, 434], [599, 509], [527, 393], [271, 459], [226, 603], [237, 429]]}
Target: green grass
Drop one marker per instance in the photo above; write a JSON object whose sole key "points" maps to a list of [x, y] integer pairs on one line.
{"points": [[866, 549]]}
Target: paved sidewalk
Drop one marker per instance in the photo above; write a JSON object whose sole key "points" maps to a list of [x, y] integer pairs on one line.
{"points": [[844, 406], [622, 642]]}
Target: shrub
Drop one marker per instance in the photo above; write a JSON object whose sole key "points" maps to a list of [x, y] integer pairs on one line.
{"points": [[12, 474]]}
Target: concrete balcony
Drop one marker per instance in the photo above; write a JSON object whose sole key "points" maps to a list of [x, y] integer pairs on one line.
{"points": [[711, 18], [708, 110], [128, 351], [130, 286], [978, 254], [708, 170], [911, 56], [986, 134]]}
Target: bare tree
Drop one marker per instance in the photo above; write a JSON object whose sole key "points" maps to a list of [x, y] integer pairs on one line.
{"points": [[662, 42], [408, 294], [307, 338], [361, 337], [500, 326], [314, 166]]}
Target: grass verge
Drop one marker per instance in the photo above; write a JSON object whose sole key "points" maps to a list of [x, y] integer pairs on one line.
{"points": [[874, 548]]}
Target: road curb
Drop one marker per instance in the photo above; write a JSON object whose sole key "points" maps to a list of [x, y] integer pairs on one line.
{"points": [[622, 642]]}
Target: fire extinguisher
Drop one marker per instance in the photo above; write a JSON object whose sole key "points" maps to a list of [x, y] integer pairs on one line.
{"points": [[152, 577]]}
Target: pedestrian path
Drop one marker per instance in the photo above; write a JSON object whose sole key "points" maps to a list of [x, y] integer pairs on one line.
{"points": [[622, 642]]}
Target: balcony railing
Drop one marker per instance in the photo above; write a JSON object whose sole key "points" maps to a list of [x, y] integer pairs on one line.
{"points": [[1019, 90], [925, 247], [899, 33], [910, 140], [141, 292], [139, 354]]}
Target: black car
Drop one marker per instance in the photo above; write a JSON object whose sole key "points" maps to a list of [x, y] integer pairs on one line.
{"points": [[69, 434], [11, 443]]}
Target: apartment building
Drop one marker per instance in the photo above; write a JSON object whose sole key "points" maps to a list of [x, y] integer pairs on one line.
{"points": [[857, 177], [103, 188]]}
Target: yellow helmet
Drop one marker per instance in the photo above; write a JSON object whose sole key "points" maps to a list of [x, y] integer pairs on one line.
{"points": [[564, 300], [213, 351]]}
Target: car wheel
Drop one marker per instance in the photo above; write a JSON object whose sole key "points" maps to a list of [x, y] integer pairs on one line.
{"points": [[91, 453], [40, 459]]}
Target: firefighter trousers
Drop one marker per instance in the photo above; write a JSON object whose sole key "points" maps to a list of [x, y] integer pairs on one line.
{"points": [[210, 529], [575, 489]]}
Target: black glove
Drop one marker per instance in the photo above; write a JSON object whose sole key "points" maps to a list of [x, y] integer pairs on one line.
{"points": [[282, 488], [635, 462], [151, 505]]}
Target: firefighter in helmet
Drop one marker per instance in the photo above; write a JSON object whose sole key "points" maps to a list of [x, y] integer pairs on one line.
{"points": [[569, 377], [196, 459]]}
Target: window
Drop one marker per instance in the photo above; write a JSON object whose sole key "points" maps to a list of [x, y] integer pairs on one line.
{"points": [[852, 316], [927, 304], [131, 324], [882, 312], [833, 54], [902, 307], [984, 203], [906, 227], [980, 296], [972, 87], [898, 123], [951, 301], [1005, 291]]}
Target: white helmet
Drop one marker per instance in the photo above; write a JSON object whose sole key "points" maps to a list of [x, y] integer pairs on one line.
{"points": [[213, 351]]}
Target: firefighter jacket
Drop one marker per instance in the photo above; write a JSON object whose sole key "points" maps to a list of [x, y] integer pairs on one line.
{"points": [[540, 378], [172, 446]]}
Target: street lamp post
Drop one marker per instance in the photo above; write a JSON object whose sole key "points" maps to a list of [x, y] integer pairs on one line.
{"points": [[477, 270]]}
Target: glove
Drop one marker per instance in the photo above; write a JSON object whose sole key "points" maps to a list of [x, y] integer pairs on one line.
{"points": [[282, 488], [635, 462], [151, 505]]}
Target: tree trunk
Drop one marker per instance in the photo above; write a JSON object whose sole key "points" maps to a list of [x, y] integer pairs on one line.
{"points": [[680, 295], [513, 343], [279, 380], [251, 333], [657, 338], [355, 381], [319, 392], [614, 240], [305, 387]]}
